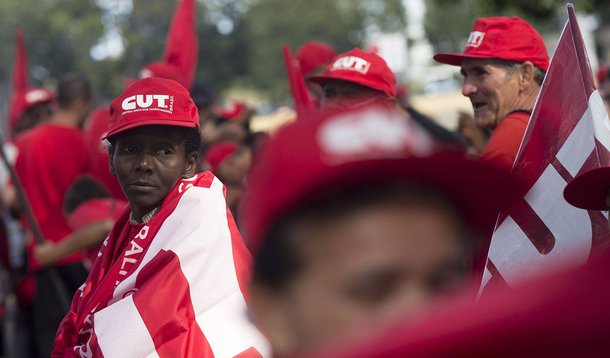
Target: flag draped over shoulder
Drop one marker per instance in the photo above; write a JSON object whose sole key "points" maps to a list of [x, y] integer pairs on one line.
{"points": [[567, 134], [171, 287], [181, 48]]}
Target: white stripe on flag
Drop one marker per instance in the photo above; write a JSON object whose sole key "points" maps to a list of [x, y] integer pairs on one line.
{"points": [[127, 341], [601, 124], [220, 311], [579, 145]]}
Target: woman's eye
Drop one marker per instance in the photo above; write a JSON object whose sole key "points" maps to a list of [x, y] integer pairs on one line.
{"points": [[128, 149], [165, 151]]}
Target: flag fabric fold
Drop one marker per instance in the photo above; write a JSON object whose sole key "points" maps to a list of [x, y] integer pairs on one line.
{"points": [[302, 101]]}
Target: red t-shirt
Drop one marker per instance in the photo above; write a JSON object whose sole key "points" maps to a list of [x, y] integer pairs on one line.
{"points": [[50, 157], [99, 166], [506, 139]]}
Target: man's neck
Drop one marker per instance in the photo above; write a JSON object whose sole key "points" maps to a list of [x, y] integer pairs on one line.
{"points": [[65, 118]]}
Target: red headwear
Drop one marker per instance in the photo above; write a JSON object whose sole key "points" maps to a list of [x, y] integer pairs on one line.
{"points": [[363, 68], [368, 145], [218, 153], [313, 54], [510, 39], [152, 101]]}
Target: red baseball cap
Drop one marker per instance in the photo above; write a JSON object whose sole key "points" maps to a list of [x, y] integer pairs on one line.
{"points": [[152, 101], [339, 149], [363, 68], [588, 190], [314, 54], [510, 39], [218, 153], [27, 99]]}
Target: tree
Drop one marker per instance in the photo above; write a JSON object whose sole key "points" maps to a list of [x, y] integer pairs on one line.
{"points": [[269, 24]]}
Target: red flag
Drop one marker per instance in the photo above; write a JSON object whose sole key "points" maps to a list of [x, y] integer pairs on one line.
{"points": [[543, 230], [20, 79], [302, 102], [181, 48]]}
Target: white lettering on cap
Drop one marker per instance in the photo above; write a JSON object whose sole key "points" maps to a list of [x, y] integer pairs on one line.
{"points": [[371, 134], [148, 102], [352, 63], [35, 96], [475, 39]]}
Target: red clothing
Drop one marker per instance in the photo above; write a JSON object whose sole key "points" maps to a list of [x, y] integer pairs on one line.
{"points": [[171, 287], [99, 164], [50, 157], [506, 139], [94, 210]]}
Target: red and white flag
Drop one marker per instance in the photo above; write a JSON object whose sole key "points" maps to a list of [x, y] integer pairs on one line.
{"points": [[568, 133], [171, 287]]}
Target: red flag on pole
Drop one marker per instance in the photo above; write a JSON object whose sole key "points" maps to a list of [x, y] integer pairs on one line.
{"points": [[543, 230], [302, 101], [181, 48], [20, 79]]}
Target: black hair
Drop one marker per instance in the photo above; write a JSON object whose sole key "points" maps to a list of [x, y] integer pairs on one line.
{"points": [[84, 188], [279, 259], [73, 87], [192, 142]]}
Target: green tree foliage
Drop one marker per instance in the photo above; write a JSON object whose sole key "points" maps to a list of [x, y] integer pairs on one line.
{"points": [[58, 33], [269, 24]]}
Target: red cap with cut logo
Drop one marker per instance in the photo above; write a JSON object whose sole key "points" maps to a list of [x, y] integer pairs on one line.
{"points": [[360, 67], [370, 145], [510, 39], [152, 101]]}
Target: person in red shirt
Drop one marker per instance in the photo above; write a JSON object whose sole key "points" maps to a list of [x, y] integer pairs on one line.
{"points": [[503, 64], [357, 217], [50, 157], [169, 279]]}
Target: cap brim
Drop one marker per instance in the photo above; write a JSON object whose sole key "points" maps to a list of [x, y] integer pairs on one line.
{"points": [[151, 122], [321, 80], [588, 190], [454, 59]]}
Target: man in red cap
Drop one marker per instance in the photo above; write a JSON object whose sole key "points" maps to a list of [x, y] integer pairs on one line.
{"points": [[313, 56], [503, 64], [356, 78], [32, 107], [382, 223], [169, 278]]}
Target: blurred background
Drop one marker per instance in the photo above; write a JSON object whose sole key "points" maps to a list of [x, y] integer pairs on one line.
{"points": [[240, 41]]}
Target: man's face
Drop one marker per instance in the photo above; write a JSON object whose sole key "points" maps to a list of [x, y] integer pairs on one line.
{"points": [[371, 266], [492, 89], [343, 95], [233, 170], [148, 162]]}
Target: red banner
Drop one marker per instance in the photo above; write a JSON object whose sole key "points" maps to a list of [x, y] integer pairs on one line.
{"points": [[564, 138], [20, 77], [302, 102], [181, 48]]}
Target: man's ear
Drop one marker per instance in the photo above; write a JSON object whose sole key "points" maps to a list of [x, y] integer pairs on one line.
{"points": [[527, 73], [192, 159]]}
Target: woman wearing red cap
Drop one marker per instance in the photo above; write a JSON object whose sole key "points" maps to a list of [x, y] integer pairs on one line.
{"points": [[168, 279]]}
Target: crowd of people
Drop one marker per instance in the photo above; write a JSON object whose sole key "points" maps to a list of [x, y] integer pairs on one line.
{"points": [[163, 225]]}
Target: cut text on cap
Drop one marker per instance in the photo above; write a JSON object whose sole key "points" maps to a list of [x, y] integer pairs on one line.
{"points": [[148, 102], [352, 63], [475, 39]]}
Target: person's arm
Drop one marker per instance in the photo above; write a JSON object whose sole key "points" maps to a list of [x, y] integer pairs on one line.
{"points": [[49, 252]]}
